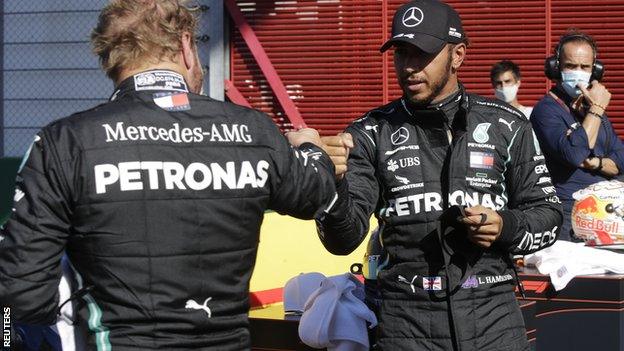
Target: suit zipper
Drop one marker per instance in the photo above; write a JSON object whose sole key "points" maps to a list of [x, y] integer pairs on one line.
{"points": [[449, 134]]}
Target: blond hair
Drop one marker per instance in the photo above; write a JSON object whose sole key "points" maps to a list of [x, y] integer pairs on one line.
{"points": [[132, 33]]}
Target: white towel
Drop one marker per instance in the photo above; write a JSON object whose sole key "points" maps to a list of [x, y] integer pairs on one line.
{"points": [[565, 260]]}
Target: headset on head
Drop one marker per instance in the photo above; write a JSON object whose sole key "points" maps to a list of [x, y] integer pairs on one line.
{"points": [[551, 66]]}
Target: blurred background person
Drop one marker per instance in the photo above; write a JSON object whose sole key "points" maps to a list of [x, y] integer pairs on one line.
{"points": [[505, 78]]}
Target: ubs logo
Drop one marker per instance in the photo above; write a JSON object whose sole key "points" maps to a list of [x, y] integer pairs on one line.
{"points": [[403, 163], [413, 17]]}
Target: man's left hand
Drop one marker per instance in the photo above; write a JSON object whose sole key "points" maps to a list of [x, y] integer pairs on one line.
{"points": [[483, 225]]}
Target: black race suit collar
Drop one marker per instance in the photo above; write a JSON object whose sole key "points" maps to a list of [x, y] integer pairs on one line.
{"points": [[449, 106], [152, 80]]}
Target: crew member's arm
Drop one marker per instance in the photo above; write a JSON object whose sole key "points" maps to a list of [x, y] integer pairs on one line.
{"points": [[345, 226], [608, 167], [533, 218], [612, 163], [598, 98], [567, 144], [302, 183], [33, 239], [603, 165]]}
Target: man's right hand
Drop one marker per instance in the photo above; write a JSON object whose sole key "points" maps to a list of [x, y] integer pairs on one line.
{"points": [[597, 96], [304, 135], [337, 147]]}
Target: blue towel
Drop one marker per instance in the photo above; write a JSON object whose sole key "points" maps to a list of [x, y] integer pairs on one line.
{"points": [[298, 289], [335, 316]]}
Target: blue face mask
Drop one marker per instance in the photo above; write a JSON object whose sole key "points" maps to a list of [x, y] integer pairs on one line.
{"points": [[570, 79]]}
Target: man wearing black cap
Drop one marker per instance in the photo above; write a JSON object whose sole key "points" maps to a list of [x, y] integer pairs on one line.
{"points": [[457, 183]]}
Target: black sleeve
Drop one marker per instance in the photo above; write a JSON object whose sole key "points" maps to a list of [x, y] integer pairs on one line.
{"points": [[33, 239], [345, 226], [534, 217], [303, 185]]}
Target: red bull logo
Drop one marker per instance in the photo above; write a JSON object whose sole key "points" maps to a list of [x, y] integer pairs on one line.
{"points": [[597, 225], [587, 205]]}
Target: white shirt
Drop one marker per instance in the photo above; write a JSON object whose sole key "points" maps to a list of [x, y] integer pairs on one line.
{"points": [[526, 110]]}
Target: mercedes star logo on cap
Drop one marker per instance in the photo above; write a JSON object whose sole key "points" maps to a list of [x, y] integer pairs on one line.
{"points": [[413, 17]]}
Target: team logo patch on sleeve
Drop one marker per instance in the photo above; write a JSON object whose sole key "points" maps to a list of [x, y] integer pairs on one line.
{"points": [[172, 101]]}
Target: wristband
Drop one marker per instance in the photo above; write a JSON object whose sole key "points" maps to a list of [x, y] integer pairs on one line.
{"points": [[594, 114], [599, 163], [604, 108]]}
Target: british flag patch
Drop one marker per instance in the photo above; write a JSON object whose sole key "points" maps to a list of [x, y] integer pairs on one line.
{"points": [[432, 283]]}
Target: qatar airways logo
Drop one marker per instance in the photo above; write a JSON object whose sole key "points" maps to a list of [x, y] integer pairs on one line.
{"points": [[155, 175]]}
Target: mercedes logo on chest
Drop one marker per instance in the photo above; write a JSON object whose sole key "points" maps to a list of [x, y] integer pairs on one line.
{"points": [[400, 136], [413, 17]]}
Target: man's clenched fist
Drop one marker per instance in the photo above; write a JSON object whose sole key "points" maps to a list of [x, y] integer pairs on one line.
{"points": [[337, 147]]}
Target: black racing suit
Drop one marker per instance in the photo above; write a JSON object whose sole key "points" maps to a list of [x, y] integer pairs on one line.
{"points": [[407, 167], [157, 197]]}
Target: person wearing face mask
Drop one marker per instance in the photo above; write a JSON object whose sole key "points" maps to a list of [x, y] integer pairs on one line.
{"points": [[578, 141], [505, 78]]}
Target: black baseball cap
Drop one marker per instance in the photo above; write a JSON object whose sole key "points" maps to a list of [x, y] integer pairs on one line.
{"points": [[427, 24]]}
